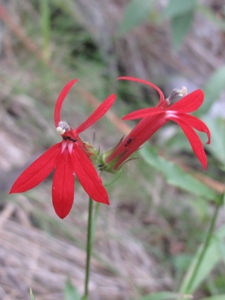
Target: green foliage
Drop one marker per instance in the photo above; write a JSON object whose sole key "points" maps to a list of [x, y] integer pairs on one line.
{"points": [[135, 13], [177, 8], [217, 146], [45, 28], [31, 295], [181, 14], [163, 296], [213, 88], [180, 26], [219, 297], [212, 257], [224, 200], [174, 175], [70, 292]]}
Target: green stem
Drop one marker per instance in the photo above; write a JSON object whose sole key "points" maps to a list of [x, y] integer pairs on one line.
{"points": [[204, 249], [88, 249], [95, 218]]}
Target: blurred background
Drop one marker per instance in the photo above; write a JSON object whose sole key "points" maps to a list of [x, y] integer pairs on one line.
{"points": [[162, 202]]}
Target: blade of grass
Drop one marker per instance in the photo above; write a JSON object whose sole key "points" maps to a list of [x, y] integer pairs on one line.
{"points": [[45, 29]]}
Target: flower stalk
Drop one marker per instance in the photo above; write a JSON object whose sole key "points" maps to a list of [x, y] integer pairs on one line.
{"points": [[189, 287], [88, 249]]}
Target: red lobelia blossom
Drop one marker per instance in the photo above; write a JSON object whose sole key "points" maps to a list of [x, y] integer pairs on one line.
{"points": [[69, 157], [156, 117]]}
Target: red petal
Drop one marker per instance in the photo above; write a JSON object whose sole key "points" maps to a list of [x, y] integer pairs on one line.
{"points": [[88, 176], [143, 113], [194, 141], [138, 136], [144, 82], [60, 100], [37, 171], [196, 123], [189, 103], [97, 114], [63, 185]]}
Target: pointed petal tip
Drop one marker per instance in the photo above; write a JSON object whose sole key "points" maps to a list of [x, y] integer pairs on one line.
{"points": [[106, 201], [17, 188], [61, 216], [113, 97], [209, 138], [12, 191], [110, 100], [99, 112], [61, 98], [204, 166]]}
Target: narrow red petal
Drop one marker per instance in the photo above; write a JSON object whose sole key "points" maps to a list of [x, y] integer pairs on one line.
{"points": [[144, 82], [37, 171], [88, 176], [196, 124], [60, 100], [194, 141], [63, 185], [97, 114], [189, 103], [143, 113], [138, 136]]}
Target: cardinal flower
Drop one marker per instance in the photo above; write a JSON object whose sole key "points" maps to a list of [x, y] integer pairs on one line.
{"points": [[68, 158], [156, 117]]}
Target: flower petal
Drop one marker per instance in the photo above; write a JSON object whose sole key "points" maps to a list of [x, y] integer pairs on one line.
{"points": [[60, 100], [97, 114], [37, 171], [189, 103], [63, 185], [88, 176], [138, 136], [144, 82], [196, 123], [143, 113], [194, 140]]}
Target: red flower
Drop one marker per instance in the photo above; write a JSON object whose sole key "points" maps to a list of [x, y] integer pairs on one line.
{"points": [[68, 157], [154, 118]]}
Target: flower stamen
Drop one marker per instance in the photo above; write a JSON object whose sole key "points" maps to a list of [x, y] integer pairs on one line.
{"points": [[176, 93], [62, 127]]}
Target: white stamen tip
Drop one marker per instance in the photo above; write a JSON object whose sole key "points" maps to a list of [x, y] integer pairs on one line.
{"points": [[60, 130], [62, 127], [183, 91]]}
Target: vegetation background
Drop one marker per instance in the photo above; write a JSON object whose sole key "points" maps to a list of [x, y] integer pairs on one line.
{"points": [[162, 203]]}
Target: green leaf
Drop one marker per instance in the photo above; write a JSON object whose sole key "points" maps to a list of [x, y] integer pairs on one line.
{"points": [[45, 28], [174, 175], [224, 202], [163, 296], [181, 14], [31, 295], [217, 145], [213, 88], [180, 25], [70, 291], [176, 8], [135, 13], [219, 297], [212, 257]]}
